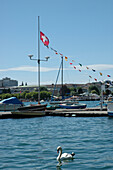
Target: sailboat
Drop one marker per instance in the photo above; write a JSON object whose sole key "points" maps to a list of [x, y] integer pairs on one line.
{"points": [[37, 109], [65, 104]]}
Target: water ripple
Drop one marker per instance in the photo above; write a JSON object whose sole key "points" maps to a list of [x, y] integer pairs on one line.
{"points": [[31, 143]]}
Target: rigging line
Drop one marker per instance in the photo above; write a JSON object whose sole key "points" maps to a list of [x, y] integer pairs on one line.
{"points": [[67, 75], [56, 81]]}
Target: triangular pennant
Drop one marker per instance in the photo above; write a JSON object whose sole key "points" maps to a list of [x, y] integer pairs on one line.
{"points": [[80, 64], [66, 58], [100, 74]]}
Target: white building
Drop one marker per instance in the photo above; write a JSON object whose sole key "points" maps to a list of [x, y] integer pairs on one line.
{"points": [[7, 82]]}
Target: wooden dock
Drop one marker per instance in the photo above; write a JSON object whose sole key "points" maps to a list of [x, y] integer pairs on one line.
{"points": [[88, 112]]}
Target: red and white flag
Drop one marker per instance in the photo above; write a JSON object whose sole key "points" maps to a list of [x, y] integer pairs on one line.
{"points": [[44, 39]]}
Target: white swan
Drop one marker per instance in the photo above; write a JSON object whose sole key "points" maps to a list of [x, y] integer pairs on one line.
{"points": [[64, 156]]}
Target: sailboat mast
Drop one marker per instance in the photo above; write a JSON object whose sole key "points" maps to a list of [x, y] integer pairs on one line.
{"points": [[62, 76], [38, 60]]}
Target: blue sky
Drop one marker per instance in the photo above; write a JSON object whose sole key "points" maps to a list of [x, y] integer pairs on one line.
{"points": [[82, 30]]}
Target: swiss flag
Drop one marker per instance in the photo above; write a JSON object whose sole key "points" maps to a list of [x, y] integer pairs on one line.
{"points": [[44, 39]]}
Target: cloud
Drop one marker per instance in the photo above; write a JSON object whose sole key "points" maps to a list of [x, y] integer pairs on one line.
{"points": [[29, 69], [47, 69]]}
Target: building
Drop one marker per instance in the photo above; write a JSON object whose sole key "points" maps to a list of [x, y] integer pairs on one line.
{"points": [[21, 89], [7, 82]]}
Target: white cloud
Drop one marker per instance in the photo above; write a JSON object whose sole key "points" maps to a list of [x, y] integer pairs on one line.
{"points": [[47, 69]]}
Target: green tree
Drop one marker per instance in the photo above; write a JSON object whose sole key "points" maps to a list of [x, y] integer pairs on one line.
{"points": [[64, 91], [44, 95], [42, 88], [94, 92], [34, 95], [94, 88], [6, 95], [72, 93], [107, 92], [80, 90], [73, 89], [28, 96]]}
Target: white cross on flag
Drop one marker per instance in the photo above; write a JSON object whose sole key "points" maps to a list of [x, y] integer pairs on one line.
{"points": [[44, 39]]}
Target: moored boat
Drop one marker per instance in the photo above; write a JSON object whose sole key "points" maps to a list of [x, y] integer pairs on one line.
{"points": [[110, 109], [26, 114], [10, 104], [35, 107], [73, 106]]}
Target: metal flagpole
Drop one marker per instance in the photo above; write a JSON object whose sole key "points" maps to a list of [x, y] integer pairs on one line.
{"points": [[38, 60]]}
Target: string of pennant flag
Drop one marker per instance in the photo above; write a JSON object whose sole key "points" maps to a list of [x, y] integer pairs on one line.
{"points": [[45, 41]]}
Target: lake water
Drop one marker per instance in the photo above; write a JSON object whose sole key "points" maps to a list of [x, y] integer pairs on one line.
{"points": [[30, 144]]}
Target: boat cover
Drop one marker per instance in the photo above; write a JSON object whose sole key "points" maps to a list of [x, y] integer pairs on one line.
{"points": [[11, 100]]}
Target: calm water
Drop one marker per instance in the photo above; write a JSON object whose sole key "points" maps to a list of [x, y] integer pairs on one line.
{"points": [[31, 143]]}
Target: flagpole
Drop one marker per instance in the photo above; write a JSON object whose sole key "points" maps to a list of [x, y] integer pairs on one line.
{"points": [[38, 60]]}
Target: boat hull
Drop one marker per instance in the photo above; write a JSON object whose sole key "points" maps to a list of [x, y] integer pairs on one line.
{"points": [[77, 106], [36, 107], [110, 109], [25, 114]]}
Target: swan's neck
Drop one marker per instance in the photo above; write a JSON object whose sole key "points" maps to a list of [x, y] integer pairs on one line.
{"points": [[60, 153]]}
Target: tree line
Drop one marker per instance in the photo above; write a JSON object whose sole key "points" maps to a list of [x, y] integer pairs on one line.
{"points": [[46, 95]]}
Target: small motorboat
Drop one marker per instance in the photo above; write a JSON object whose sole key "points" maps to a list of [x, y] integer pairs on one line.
{"points": [[73, 106], [35, 107], [10, 104]]}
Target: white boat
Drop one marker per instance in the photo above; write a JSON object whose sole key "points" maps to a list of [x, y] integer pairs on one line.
{"points": [[110, 109], [73, 106], [10, 104], [25, 114]]}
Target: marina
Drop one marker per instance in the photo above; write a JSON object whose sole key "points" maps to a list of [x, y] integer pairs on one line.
{"points": [[88, 112], [56, 85]]}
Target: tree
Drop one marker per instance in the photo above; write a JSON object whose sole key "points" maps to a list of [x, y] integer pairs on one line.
{"points": [[80, 90], [22, 84], [107, 92], [34, 95], [94, 92], [64, 91], [72, 93], [94, 88], [43, 88], [28, 96], [73, 89]]}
